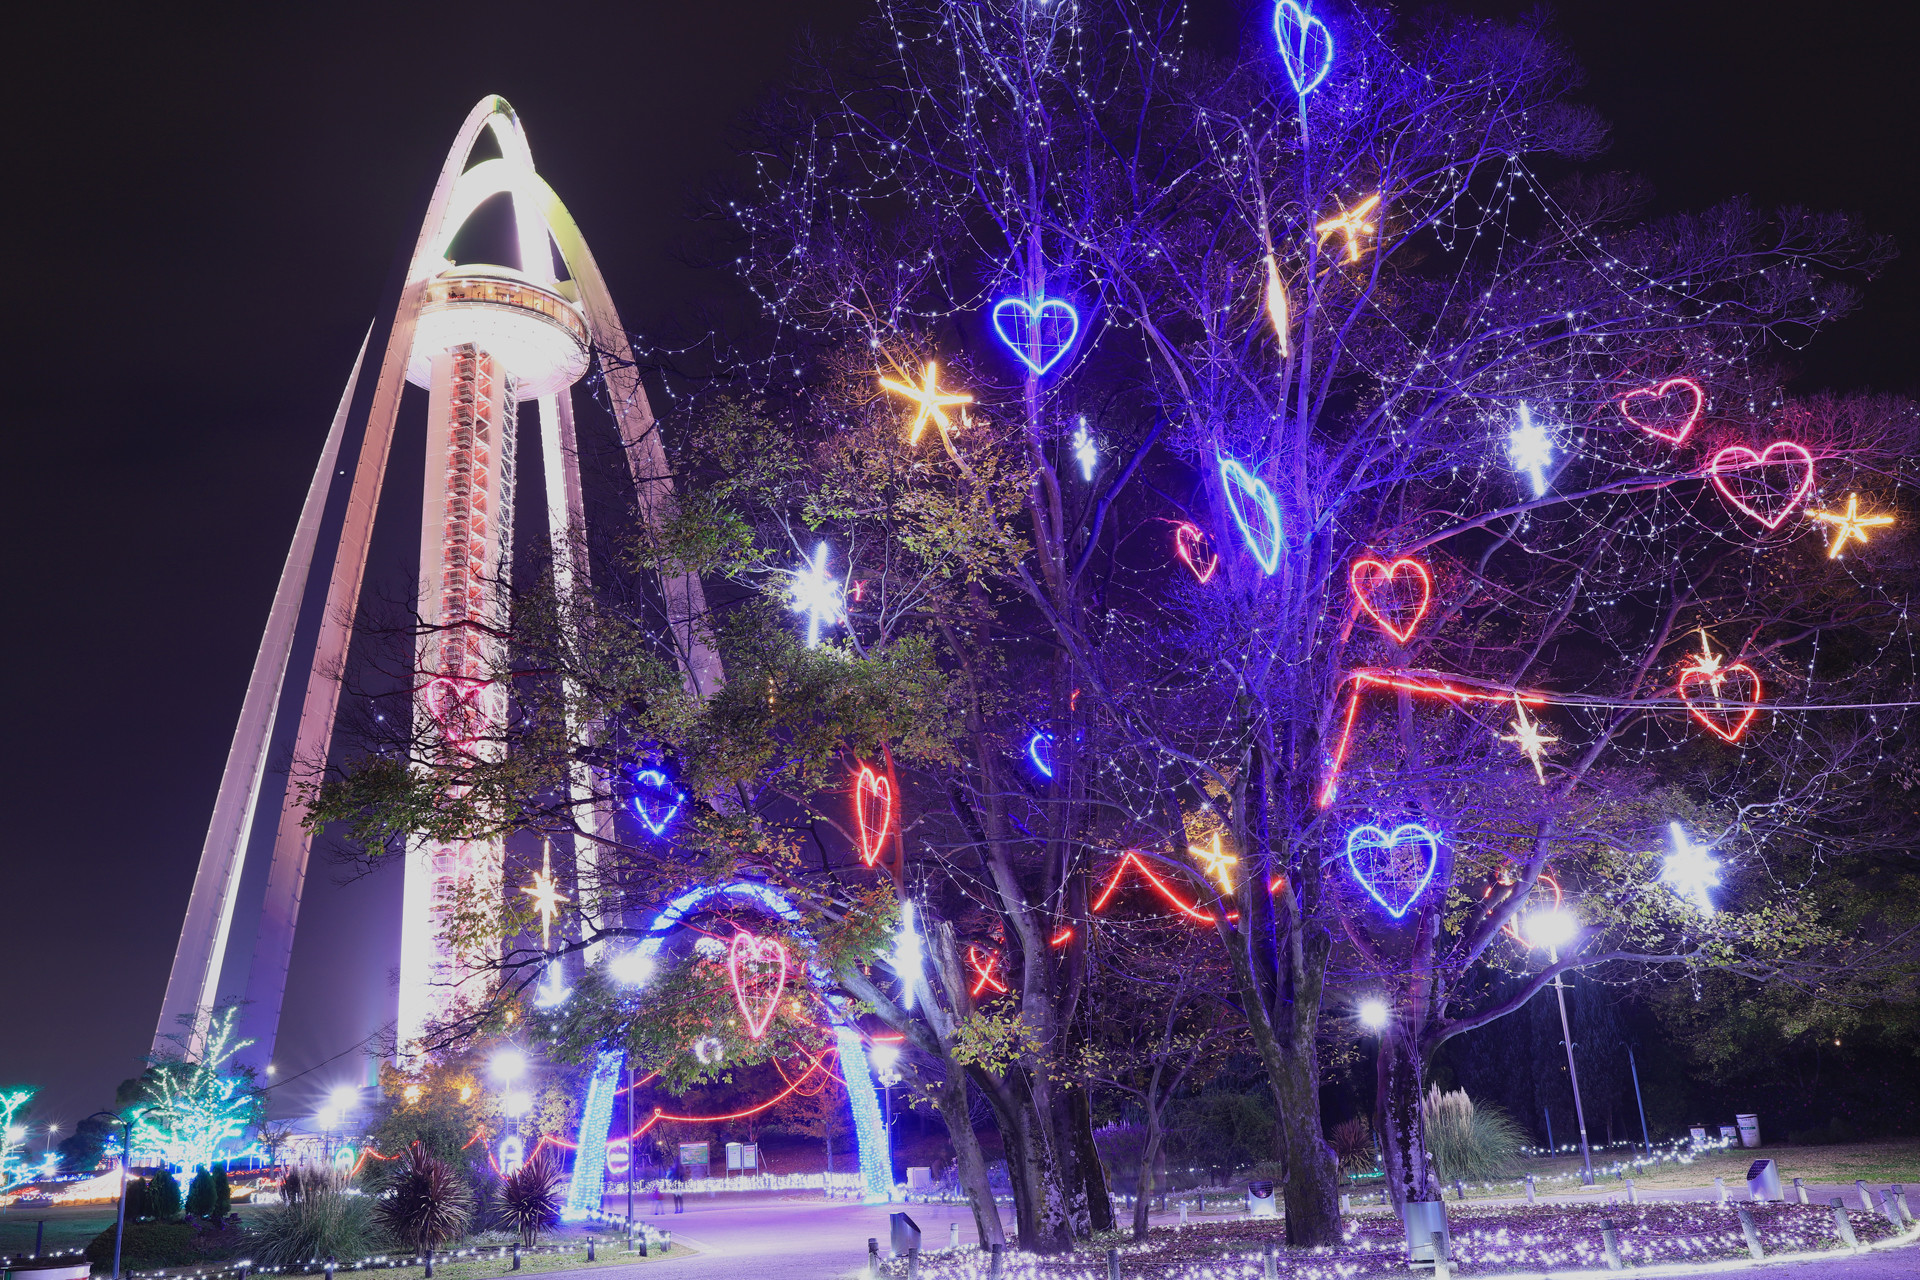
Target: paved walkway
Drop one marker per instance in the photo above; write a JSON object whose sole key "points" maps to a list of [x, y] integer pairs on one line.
{"points": [[747, 1236]]}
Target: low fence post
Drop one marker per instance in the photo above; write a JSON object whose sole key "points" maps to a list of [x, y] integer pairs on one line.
{"points": [[1529, 1188], [873, 1257], [1610, 1241], [1113, 1264], [1800, 1190], [1866, 1201], [1841, 1227], [1752, 1233]]}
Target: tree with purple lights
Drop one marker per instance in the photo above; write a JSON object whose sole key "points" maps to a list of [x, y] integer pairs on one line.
{"points": [[1226, 477]]}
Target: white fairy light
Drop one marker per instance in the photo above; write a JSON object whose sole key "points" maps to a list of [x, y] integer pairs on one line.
{"points": [[817, 595], [1531, 449], [1086, 451]]}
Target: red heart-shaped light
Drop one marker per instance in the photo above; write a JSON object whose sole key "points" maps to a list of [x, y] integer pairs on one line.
{"points": [[757, 1004], [1675, 401], [1192, 545], [872, 812], [1395, 595], [1777, 479], [1726, 717], [454, 704]]}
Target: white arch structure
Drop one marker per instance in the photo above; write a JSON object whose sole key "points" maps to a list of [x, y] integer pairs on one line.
{"points": [[483, 341]]}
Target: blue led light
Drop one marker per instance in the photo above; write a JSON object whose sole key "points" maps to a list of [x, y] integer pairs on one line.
{"points": [[596, 1121], [1306, 46], [656, 800], [596, 1118], [1032, 330], [1033, 753], [1388, 880], [1243, 487]]}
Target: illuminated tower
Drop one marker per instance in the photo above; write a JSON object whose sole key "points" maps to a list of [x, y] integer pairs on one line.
{"points": [[497, 349]]}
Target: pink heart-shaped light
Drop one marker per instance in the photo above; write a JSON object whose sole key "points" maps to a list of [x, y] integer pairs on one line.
{"points": [[1741, 474], [1726, 717], [1675, 401], [1195, 549], [1395, 595], [757, 1004], [872, 812]]}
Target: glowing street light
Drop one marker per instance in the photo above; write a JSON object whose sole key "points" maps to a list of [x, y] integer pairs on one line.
{"points": [[517, 1103], [631, 967], [1553, 928], [508, 1065], [1373, 1013]]}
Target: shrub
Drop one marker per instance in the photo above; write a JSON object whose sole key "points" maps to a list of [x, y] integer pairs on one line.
{"points": [[1353, 1147], [1469, 1142], [530, 1200], [163, 1196], [139, 1201], [1836, 1130], [149, 1245], [322, 1220], [425, 1203], [222, 1192], [200, 1193]]}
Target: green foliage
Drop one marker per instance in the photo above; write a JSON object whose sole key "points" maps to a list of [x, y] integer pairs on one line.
{"points": [[1469, 1142], [1220, 1130], [139, 1200], [530, 1200], [149, 1245], [222, 1191], [324, 1221], [163, 1196], [994, 1041], [424, 1203], [200, 1193], [1354, 1147], [440, 1109]]}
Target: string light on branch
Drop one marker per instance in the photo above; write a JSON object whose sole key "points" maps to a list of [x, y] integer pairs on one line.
{"points": [[1306, 46], [1394, 867], [1727, 718], [818, 594], [932, 402], [1530, 446], [1690, 870], [1350, 225], [1279, 314], [1667, 411], [1529, 738], [1254, 510], [1394, 595], [1362, 681], [1849, 524], [1040, 332], [1766, 485]]}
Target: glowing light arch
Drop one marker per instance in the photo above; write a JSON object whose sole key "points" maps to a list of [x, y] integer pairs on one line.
{"points": [[596, 1121]]}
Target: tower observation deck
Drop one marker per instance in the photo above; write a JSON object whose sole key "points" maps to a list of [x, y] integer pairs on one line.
{"points": [[497, 349]]}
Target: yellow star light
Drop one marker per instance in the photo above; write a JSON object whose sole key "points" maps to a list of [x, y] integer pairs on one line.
{"points": [[1527, 736], [1216, 863], [546, 895], [933, 403], [1351, 224], [1850, 525], [1277, 310]]}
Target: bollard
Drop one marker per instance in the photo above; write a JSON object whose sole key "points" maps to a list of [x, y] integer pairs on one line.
{"points": [[1610, 1240], [1800, 1191], [1113, 1264], [666, 1242], [1272, 1268], [1346, 1202], [953, 1235], [1892, 1212], [590, 1256], [1459, 1190], [1900, 1198], [1841, 1227], [330, 1266], [1529, 1188], [429, 1270], [1633, 1192], [642, 1241], [873, 1258], [996, 1255], [913, 1262], [1866, 1201], [39, 1230], [1751, 1232], [516, 1256], [1183, 1213], [1720, 1190]]}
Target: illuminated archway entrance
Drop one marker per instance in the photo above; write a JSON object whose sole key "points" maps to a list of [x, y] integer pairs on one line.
{"points": [[596, 1119]]}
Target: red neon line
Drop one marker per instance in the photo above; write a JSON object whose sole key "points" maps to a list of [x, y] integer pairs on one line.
{"points": [[1061, 938], [1180, 904], [1363, 679], [984, 970], [659, 1115]]}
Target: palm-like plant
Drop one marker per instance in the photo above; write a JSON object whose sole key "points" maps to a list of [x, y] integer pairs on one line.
{"points": [[530, 1200], [426, 1203]]}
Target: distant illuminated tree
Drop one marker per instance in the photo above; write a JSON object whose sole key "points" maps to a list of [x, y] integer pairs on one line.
{"points": [[197, 1109], [12, 1136]]}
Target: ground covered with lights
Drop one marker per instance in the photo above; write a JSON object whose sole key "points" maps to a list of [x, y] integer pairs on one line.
{"points": [[1484, 1241]]}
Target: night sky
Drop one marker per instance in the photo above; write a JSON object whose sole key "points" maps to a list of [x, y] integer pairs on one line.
{"points": [[207, 203]]}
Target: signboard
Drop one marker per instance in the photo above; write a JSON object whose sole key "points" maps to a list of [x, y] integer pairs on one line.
{"points": [[692, 1153], [617, 1161], [750, 1155], [733, 1156]]}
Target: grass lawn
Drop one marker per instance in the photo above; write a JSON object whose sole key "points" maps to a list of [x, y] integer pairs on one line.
{"points": [[68, 1226]]}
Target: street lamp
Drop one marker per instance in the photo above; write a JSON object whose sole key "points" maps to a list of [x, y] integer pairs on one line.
{"points": [[126, 1158], [1373, 1013], [1555, 928]]}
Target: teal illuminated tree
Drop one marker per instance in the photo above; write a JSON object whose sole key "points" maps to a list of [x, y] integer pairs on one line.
{"points": [[197, 1109], [13, 1136]]}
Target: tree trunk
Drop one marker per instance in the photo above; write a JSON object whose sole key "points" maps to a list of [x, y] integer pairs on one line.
{"points": [[969, 1161], [1092, 1173], [1148, 1154], [1402, 1121], [1311, 1193]]}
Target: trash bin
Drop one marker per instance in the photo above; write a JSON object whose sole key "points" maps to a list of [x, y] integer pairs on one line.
{"points": [[1763, 1180], [1749, 1130], [1261, 1202], [906, 1234]]}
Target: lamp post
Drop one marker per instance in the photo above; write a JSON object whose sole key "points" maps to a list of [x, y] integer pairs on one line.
{"points": [[1552, 930], [1646, 1143], [126, 1158]]}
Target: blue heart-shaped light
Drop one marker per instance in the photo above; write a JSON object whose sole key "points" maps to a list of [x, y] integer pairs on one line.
{"points": [[1039, 332], [1254, 510], [1393, 881], [1306, 46], [655, 799]]}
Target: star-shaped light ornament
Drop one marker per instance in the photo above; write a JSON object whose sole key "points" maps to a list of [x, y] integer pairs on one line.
{"points": [[1848, 524], [1351, 225], [933, 402], [1085, 451], [818, 594], [1216, 863], [546, 895], [1531, 449], [1690, 871], [1527, 736], [908, 958]]}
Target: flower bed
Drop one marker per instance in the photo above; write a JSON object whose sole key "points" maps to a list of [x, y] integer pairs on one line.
{"points": [[1485, 1241]]}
